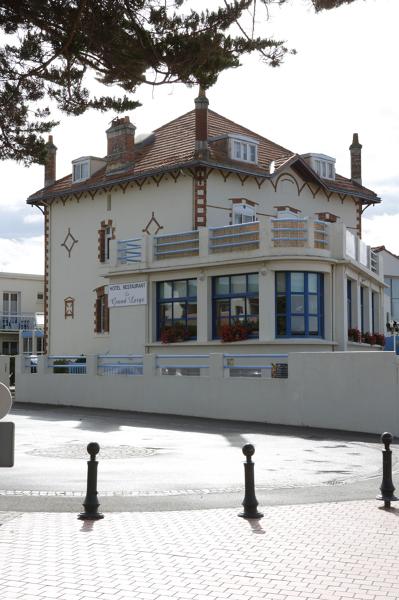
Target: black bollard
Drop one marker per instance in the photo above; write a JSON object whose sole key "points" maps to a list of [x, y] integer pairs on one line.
{"points": [[91, 502], [387, 487], [250, 502]]}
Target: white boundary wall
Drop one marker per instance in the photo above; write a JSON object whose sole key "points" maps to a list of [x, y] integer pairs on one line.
{"points": [[5, 370], [355, 391]]}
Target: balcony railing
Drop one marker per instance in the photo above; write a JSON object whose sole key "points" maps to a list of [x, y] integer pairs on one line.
{"points": [[20, 322], [120, 364], [71, 365], [232, 238], [129, 251], [176, 364], [176, 245], [274, 366], [266, 237], [289, 232]]}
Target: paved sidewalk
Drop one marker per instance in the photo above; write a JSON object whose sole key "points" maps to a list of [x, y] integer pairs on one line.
{"points": [[328, 551]]}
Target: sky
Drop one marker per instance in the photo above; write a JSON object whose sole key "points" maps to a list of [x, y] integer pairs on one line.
{"points": [[342, 80]]}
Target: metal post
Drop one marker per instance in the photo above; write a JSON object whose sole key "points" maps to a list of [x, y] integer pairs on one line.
{"points": [[91, 502], [387, 488], [250, 502]]}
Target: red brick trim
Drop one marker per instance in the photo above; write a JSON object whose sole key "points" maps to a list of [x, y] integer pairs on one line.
{"points": [[200, 197], [46, 277], [101, 238], [101, 304]]}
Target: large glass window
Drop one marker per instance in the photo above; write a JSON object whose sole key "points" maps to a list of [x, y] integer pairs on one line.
{"points": [[392, 291], [177, 310], [236, 300], [349, 302], [299, 304]]}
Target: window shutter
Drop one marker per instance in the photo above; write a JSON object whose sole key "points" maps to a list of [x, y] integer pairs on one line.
{"points": [[106, 313], [101, 243], [98, 316]]}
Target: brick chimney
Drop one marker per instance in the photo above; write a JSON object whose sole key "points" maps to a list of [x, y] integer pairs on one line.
{"points": [[50, 162], [201, 125], [356, 159], [120, 145]]}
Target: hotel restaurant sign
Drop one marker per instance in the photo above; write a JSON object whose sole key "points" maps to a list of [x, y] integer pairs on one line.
{"points": [[127, 294]]}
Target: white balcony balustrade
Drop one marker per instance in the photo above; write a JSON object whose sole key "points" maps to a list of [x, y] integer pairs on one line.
{"points": [[17, 322], [268, 237]]}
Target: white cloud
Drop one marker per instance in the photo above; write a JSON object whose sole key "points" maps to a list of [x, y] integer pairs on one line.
{"points": [[33, 218], [382, 230], [23, 255]]}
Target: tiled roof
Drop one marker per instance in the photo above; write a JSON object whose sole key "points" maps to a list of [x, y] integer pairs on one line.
{"points": [[173, 147]]}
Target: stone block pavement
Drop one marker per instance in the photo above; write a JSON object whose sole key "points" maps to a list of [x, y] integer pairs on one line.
{"points": [[329, 551]]}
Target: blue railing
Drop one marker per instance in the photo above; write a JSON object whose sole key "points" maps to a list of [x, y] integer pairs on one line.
{"points": [[289, 229], [72, 365], [244, 236], [253, 365], [169, 245], [180, 367], [120, 364], [129, 251], [320, 234], [20, 322]]}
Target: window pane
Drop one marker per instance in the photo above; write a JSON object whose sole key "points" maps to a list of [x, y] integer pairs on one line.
{"points": [[237, 307], [179, 310], [191, 310], [280, 282], [252, 306], [76, 172], [244, 148], [238, 284], [395, 310], [281, 304], [222, 286], [313, 326], [297, 282], [281, 326], [252, 153], [312, 303], [395, 288], [180, 289], [253, 285], [165, 313], [165, 289], [222, 308], [192, 328], [312, 283], [237, 149], [84, 170], [298, 325], [298, 303], [192, 288]]}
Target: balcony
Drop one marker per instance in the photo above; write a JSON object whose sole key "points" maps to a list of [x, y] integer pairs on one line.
{"points": [[267, 238], [20, 322]]}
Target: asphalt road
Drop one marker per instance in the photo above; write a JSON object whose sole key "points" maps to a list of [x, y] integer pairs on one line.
{"points": [[156, 462]]}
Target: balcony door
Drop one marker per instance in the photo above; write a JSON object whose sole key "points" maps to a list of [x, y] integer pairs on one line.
{"points": [[10, 303]]}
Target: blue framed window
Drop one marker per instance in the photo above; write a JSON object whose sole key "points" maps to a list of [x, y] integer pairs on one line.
{"points": [[236, 299], [299, 304], [177, 307], [349, 302]]}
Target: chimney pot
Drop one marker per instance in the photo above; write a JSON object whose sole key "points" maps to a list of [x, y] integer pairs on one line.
{"points": [[201, 125], [356, 159], [50, 162], [120, 145]]}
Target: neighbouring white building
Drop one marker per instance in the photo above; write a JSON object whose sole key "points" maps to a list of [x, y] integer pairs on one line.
{"points": [[204, 250], [21, 313]]}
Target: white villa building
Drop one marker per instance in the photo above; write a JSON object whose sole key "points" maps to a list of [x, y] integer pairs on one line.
{"points": [[207, 251]]}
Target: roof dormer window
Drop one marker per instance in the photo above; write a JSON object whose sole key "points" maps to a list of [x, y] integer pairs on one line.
{"points": [[81, 170], [85, 167], [243, 148], [322, 164]]}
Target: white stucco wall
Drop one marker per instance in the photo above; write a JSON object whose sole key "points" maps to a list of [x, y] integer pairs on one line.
{"points": [[336, 390], [27, 286]]}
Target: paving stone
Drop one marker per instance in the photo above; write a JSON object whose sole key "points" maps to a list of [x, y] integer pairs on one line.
{"points": [[334, 551]]}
